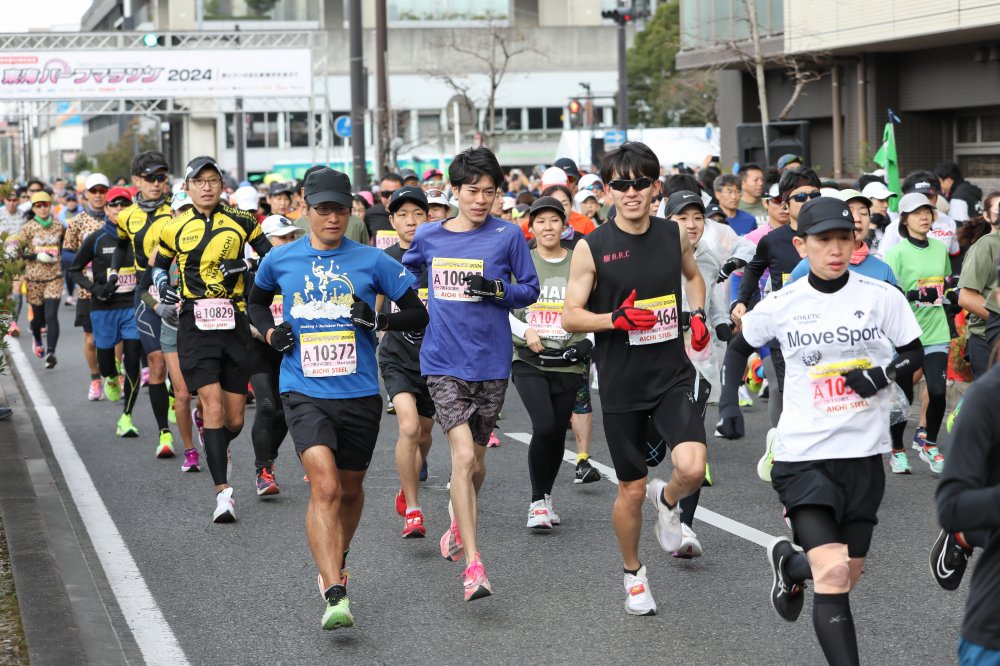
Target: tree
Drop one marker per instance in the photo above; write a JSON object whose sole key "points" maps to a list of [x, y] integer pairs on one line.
{"points": [[10, 265], [116, 160], [659, 94], [82, 163]]}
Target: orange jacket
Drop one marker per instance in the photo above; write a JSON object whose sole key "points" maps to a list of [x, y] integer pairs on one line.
{"points": [[578, 221]]}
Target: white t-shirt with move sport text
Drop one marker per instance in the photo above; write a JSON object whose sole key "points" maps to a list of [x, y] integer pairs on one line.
{"points": [[822, 336]]}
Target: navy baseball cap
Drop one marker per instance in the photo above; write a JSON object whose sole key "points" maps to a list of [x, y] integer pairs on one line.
{"points": [[681, 199], [825, 214], [407, 193]]}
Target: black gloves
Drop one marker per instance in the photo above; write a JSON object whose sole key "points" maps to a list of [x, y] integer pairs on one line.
{"points": [[282, 338], [578, 352], [363, 316], [724, 332], [169, 295], [867, 383], [732, 264], [230, 267], [480, 286], [922, 295], [104, 292], [880, 220], [413, 337]]}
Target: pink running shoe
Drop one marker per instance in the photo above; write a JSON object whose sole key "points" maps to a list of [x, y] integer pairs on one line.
{"points": [[144, 379], [494, 441], [191, 462], [476, 584], [199, 424], [95, 392], [451, 544]]}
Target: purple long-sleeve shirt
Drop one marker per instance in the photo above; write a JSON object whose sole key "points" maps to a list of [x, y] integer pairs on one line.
{"points": [[468, 339]]}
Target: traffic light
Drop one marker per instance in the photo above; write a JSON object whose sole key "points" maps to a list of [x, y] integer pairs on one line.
{"points": [[152, 39], [575, 113], [620, 16]]}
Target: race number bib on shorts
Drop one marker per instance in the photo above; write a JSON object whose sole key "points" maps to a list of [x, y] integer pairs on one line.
{"points": [[385, 238], [278, 309], [421, 294], [214, 314], [127, 280], [328, 354], [931, 284], [665, 328], [546, 318], [447, 275], [830, 394]]}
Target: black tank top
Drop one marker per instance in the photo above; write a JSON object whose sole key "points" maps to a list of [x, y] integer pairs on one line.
{"points": [[636, 369]]}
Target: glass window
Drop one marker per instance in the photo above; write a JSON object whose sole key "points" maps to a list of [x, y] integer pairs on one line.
{"points": [[262, 130], [261, 10], [421, 11], [536, 118], [428, 125], [965, 129], [230, 130], [513, 120], [990, 128], [554, 118], [980, 166], [298, 129]]}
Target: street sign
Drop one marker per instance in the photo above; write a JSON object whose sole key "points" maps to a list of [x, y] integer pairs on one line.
{"points": [[342, 127], [613, 138]]}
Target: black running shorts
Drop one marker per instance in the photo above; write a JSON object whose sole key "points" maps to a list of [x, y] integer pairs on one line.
{"points": [[82, 319], [347, 426], [209, 357], [398, 379]]}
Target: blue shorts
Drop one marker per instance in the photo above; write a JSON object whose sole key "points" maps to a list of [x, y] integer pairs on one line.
{"points": [[970, 654], [113, 326], [148, 323]]}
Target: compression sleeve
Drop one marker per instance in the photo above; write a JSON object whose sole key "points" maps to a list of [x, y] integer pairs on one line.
{"points": [[259, 309], [412, 315], [910, 355]]}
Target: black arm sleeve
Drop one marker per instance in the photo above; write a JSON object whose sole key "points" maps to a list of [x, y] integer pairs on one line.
{"points": [[121, 250], [753, 271], [908, 357], [162, 261], [412, 315], [965, 500], [259, 309], [84, 256], [261, 245]]}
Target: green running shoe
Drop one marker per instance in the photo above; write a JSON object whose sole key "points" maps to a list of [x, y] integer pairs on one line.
{"points": [[125, 427], [171, 415], [707, 481], [338, 615], [766, 461], [112, 390], [950, 423]]}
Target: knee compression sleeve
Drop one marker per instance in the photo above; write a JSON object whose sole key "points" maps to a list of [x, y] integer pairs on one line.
{"points": [[831, 570]]}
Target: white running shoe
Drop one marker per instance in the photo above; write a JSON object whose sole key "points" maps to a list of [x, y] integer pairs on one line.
{"points": [[638, 598], [538, 516], [553, 516], [690, 545], [746, 400], [766, 461], [225, 509], [668, 521]]}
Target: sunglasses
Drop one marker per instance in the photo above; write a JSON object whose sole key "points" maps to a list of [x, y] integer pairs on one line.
{"points": [[118, 203], [386, 195], [158, 178], [803, 197], [594, 188], [41, 204], [622, 185], [98, 190]]}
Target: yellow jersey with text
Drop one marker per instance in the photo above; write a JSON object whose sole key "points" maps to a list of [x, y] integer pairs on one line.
{"points": [[142, 229]]}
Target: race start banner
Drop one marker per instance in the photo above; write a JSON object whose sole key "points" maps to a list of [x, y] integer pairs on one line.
{"points": [[155, 73]]}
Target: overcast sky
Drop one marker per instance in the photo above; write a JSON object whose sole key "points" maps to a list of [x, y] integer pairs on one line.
{"points": [[43, 14]]}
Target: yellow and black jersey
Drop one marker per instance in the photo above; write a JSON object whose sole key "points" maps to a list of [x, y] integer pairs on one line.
{"points": [[142, 230], [198, 244]]}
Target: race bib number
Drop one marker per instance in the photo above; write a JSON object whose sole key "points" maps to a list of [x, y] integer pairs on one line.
{"points": [[546, 318], [328, 354], [154, 292], [666, 326], [214, 314], [278, 309], [127, 280], [386, 238], [830, 394], [932, 283], [447, 275], [421, 294], [51, 250], [785, 277]]}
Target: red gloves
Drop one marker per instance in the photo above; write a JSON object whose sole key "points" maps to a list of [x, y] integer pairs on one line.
{"points": [[700, 336], [630, 318]]}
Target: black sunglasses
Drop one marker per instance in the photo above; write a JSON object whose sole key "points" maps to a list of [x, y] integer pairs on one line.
{"points": [[158, 178], [803, 197], [623, 185], [386, 194]]}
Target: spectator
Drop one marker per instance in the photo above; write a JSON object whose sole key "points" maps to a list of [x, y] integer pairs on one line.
{"points": [[964, 198], [752, 183], [728, 192]]}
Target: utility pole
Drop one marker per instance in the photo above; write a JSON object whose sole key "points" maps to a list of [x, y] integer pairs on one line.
{"points": [[622, 16], [381, 86], [360, 176]]}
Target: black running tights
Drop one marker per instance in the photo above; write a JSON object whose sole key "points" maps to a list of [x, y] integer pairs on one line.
{"points": [[548, 396], [46, 316], [269, 427], [131, 364], [935, 372]]}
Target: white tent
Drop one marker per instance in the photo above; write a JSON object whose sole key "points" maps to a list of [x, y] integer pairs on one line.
{"points": [[671, 144]]}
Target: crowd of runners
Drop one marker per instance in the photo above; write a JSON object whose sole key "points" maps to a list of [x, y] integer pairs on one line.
{"points": [[664, 289]]}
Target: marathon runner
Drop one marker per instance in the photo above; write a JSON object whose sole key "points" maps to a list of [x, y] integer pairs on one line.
{"points": [[329, 382], [41, 238], [837, 330], [139, 227], [399, 363], [11, 221], [625, 286], [479, 267], [213, 334]]}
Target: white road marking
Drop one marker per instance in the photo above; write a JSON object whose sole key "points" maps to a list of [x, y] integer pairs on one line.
{"points": [[704, 515], [152, 633]]}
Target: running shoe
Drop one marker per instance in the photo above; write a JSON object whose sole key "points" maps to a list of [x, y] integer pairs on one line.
{"points": [[553, 516], [171, 414], [707, 481], [94, 393], [668, 521], [14, 331], [494, 441], [586, 473], [389, 409], [251, 398], [414, 528], [112, 389], [165, 449], [931, 455], [338, 609], [191, 462], [899, 463], [144, 377], [476, 584], [746, 400], [638, 598], [948, 561], [305, 478], [50, 361], [786, 595], [199, 424], [225, 508], [538, 516], [401, 503], [125, 427], [266, 485], [949, 424], [920, 438], [766, 461], [423, 471], [69, 301], [451, 544], [690, 545]]}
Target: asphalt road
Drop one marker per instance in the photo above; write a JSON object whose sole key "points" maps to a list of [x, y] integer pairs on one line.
{"points": [[245, 593]]}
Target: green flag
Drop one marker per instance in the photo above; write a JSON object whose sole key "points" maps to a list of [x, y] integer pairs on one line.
{"points": [[886, 158]]}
